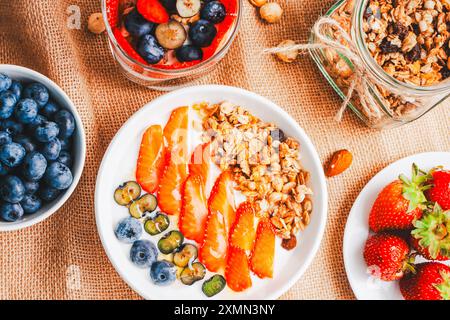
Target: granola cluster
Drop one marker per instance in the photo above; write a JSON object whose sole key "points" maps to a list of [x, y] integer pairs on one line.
{"points": [[265, 164], [410, 39], [395, 39]]}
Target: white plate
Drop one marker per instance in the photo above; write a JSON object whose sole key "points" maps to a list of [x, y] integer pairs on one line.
{"points": [[119, 165], [364, 286]]}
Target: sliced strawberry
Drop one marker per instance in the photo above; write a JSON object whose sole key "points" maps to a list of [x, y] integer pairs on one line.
{"points": [[237, 271], [200, 161], [153, 11], [175, 172], [150, 162], [169, 192], [262, 257], [242, 233], [126, 46], [222, 199], [112, 12], [213, 251], [193, 210], [176, 129]]}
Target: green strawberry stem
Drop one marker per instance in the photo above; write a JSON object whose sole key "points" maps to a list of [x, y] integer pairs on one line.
{"points": [[432, 231], [444, 286], [413, 190]]}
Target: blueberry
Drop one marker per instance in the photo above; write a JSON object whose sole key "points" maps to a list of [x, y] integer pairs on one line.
{"points": [[189, 53], [38, 92], [25, 142], [48, 194], [202, 33], [170, 5], [31, 204], [66, 123], [51, 149], [5, 138], [50, 109], [214, 12], [65, 158], [4, 170], [163, 273], [149, 49], [26, 111], [66, 144], [137, 25], [46, 131], [12, 189], [31, 187], [12, 154], [58, 176], [40, 119], [11, 212], [5, 82], [143, 253], [128, 230], [34, 166], [7, 103], [16, 89], [12, 127]]}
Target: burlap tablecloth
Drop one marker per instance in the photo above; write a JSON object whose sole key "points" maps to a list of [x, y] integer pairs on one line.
{"points": [[62, 258]]}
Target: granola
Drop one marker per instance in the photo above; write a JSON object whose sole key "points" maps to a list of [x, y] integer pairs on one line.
{"points": [[396, 49], [409, 39], [265, 165]]}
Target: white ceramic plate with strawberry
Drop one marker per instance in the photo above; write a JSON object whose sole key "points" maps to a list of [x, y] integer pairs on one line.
{"points": [[119, 166], [364, 285]]}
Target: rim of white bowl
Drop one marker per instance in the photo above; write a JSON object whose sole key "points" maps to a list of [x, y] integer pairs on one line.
{"points": [[79, 160], [316, 163]]}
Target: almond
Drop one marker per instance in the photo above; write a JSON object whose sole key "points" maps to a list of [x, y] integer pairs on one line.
{"points": [[340, 161]]}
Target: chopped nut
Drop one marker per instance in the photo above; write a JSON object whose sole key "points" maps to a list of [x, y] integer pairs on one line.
{"points": [[258, 3], [271, 12], [290, 55], [96, 24]]}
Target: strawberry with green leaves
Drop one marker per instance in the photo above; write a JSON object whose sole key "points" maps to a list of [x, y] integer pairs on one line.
{"points": [[440, 188], [400, 203], [431, 281], [431, 234], [387, 256]]}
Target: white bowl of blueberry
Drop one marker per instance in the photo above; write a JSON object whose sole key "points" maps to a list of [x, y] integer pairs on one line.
{"points": [[42, 147]]}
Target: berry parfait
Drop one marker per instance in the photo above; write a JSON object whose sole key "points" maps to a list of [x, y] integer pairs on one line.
{"points": [[165, 44]]}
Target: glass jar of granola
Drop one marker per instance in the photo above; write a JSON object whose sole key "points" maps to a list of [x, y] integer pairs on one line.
{"points": [[397, 66]]}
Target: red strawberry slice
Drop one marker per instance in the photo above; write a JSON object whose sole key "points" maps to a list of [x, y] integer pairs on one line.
{"points": [[193, 210], [112, 12], [153, 11], [169, 192], [263, 253], [200, 161], [222, 199], [126, 46], [213, 251], [242, 233], [237, 272], [150, 162], [175, 172]]}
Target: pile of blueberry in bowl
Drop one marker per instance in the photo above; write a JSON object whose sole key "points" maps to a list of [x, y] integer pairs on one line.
{"points": [[40, 136]]}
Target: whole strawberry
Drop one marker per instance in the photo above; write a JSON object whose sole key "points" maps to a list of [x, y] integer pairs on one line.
{"points": [[431, 234], [387, 256], [400, 203], [430, 282], [440, 189]]}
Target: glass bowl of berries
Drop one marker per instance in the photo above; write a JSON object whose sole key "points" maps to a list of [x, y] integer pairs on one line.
{"points": [[166, 44]]}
